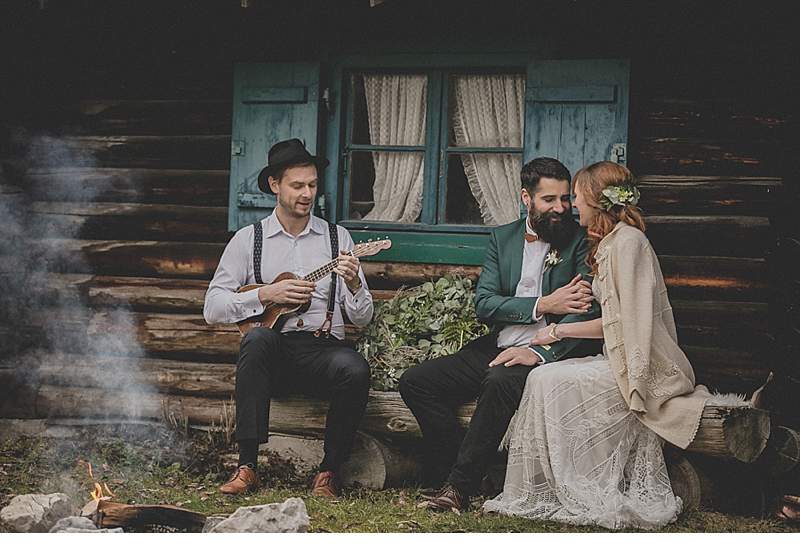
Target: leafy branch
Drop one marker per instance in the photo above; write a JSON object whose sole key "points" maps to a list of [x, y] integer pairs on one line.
{"points": [[425, 322]]}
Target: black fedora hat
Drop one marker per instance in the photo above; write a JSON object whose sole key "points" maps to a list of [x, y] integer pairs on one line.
{"points": [[286, 154]]}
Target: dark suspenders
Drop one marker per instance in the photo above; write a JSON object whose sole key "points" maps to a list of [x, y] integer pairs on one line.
{"points": [[258, 245], [325, 329]]}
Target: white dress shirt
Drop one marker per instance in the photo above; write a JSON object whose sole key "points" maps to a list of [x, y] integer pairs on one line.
{"points": [[530, 284], [281, 253]]}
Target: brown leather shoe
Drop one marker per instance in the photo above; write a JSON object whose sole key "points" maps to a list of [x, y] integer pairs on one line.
{"points": [[449, 498], [243, 480], [325, 485]]}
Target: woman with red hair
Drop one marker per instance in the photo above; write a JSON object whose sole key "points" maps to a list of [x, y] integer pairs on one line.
{"points": [[585, 446]]}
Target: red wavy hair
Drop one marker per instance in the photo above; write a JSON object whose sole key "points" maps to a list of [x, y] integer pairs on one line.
{"points": [[591, 181]]}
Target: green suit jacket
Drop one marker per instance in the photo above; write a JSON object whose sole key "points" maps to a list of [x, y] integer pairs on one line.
{"points": [[496, 304]]}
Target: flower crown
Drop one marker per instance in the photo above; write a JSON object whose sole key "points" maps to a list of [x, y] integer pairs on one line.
{"points": [[619, 195]]}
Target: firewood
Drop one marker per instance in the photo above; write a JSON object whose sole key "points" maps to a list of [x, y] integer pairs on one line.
{"points": [[110, 514]]}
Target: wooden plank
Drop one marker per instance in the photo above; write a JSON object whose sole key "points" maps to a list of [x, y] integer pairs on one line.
{"points": [[573, 128], [659, 116], [672, 155], [716, 278], [146, 117], [726, 369], [176, 186], [687, 195], [115, 372], [129, 221], [143, 258], [187, 151], [713, 278], [729, 236], [138, 293], [598, 132]]}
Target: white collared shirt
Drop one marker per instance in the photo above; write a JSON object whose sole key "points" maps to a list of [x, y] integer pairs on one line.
{"points": [[530, 284], [281, 253]]}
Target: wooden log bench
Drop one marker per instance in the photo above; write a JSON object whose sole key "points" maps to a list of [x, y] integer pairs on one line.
{"points": [[73, 387]]}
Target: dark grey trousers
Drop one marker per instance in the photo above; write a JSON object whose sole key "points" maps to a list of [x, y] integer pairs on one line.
{"points": [[272, 364], [434, 389]]}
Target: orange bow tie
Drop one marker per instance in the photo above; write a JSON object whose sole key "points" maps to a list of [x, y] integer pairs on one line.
{"points": [[530, 238]]}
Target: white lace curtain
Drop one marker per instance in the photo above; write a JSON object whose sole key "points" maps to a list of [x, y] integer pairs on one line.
{"points": [[489, 113], [396, 114]]}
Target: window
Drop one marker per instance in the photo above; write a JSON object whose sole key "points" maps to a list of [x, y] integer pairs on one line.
{"points": [[429, 153], [433, 149]]}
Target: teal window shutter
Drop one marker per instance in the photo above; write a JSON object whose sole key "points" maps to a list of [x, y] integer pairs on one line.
{"points": [[577, 111], [271, 102]]}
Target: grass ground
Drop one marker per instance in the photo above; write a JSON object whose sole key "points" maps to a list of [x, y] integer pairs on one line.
{"points": [[167, 467]]}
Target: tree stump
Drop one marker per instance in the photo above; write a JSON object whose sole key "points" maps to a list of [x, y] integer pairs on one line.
{"points": [[373, 463], [685, 480]]}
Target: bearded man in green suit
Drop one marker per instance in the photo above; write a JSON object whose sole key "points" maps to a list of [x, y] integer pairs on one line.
{"points": [[534, 277]]}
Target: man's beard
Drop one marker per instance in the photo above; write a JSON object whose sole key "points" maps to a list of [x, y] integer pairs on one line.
{"points": [[558, 233]]}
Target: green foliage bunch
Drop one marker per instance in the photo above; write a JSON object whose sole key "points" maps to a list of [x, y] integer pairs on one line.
{"points": [[424, 322]]}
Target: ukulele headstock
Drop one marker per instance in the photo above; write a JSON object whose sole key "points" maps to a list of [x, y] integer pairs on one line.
{"points": [[370, 247]]}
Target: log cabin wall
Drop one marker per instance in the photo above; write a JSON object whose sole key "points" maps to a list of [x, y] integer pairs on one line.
{"points": [[145, 131]]}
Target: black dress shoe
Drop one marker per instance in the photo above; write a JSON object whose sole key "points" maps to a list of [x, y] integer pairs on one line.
{"points": [[448, 498]]}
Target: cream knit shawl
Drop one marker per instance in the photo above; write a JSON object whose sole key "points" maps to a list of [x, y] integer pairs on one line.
{"points": [[652, 372]]}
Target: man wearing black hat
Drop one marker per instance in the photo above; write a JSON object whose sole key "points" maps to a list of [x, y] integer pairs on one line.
{"points": [[295, 357]]}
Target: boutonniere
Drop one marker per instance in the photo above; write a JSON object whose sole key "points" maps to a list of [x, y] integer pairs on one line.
{"points": [[552, 258]]}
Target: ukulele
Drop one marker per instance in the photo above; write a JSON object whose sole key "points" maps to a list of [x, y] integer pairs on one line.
{"points": [[274, 312]]}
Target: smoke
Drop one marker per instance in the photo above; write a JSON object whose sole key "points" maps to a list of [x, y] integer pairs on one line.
{"points": [[51, 340]]}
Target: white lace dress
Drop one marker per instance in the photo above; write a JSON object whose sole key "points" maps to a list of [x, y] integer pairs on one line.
{"points": [[578, 455]]}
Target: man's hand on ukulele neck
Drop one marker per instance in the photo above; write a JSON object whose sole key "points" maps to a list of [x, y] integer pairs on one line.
{"points": [[293, 292], [347, 269]]}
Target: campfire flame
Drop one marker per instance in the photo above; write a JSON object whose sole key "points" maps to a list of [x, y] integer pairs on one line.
{"points": [[97, 491]]}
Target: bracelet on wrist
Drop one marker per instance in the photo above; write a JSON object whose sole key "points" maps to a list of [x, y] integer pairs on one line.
{"points": [[552, 332]]}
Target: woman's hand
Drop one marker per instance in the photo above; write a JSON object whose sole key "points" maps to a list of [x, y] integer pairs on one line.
{"points": [[542, 338]]}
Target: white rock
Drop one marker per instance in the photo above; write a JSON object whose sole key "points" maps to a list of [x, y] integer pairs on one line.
{"points": [[211, 522], [81, 525], [73, 524], [36, 512], [289, 516], [94, 531]]}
